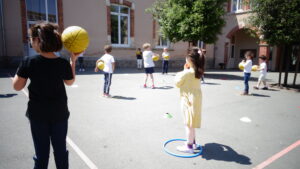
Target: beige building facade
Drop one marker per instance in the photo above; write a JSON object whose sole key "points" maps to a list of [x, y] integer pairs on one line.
{"points": [[235, 38], [126, 26]]}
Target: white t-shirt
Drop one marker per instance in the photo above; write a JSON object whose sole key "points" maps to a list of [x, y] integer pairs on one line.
{"points": [[248, 66], [108, 61], [165, 54], [147, 56], [263, 68]]}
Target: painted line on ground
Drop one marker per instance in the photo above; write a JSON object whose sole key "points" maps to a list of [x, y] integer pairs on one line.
{"points": [[278, 155], [85, 159]]}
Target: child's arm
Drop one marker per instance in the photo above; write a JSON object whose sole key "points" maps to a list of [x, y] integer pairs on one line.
{"points": [[73, 66], [113, 64], [20, 79], [180, 79], [19, 82]]}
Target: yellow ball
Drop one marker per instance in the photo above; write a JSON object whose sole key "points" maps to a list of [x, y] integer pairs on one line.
{"points": [[166, 57], [241, 66], [100, 65], [254, 68], [75, 39], [155, 58]]}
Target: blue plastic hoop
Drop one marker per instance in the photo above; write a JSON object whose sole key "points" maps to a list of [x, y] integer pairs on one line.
{"points": [[182, 156]]}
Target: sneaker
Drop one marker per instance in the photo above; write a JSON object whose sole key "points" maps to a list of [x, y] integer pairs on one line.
{"points": [[244, 94], [185, 149], [255, 88], [145, 86], [153, 87], [107, 95], [83, 70], [265, 88], [196, 146]]}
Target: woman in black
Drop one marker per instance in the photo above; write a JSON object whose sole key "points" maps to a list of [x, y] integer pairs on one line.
{"points": [[47, 108]]}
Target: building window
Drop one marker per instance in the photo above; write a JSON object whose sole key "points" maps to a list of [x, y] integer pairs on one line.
{"points": [[201, 44], [41, 10], [120, 25], [237, 5], [162, 42]]}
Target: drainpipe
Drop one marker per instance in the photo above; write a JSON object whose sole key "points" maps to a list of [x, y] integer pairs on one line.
{"points": [[3, 32]]}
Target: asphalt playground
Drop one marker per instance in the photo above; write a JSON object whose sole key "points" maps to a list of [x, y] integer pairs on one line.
{"points": [[128, 130]]}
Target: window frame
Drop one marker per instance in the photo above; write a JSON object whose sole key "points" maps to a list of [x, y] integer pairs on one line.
{"points": [[119, 14], [160, 46], [239, 6], [46, 11], [200, 44]]}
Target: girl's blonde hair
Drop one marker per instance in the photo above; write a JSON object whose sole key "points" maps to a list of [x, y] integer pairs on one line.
{"points": [[146, 45]]}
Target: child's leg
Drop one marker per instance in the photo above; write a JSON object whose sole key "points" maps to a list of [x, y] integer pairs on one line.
{"points": [[82, 65], [190, 135], [105, 83], [141, 63], [152, 78], [260, 79], [58, 139], [109, 82], [41, 139], [265, 83], [146, 79], [167, 66], [246, 79], [80, 60], [258, 83]]}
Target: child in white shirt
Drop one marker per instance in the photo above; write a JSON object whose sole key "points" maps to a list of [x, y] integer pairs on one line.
{"points": [[109, 67], [247, 71], [263, 73], [148, 63]]}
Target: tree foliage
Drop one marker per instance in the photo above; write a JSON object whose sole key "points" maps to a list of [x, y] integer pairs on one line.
{"points": [[277, 20], [189, 20]]}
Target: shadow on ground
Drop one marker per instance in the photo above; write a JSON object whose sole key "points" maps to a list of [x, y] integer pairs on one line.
{"points": [[123, 98], [227, 77], [208, 83], [8, 95], [220, 152], [90, 71], [164, 87], [259, 95]]}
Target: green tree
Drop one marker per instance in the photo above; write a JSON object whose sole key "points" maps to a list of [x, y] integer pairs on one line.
{"points": [[189, 20], [279, 23]]}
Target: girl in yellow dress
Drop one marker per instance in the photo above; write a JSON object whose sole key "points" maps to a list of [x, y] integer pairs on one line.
{"points": [[188, 81]]}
